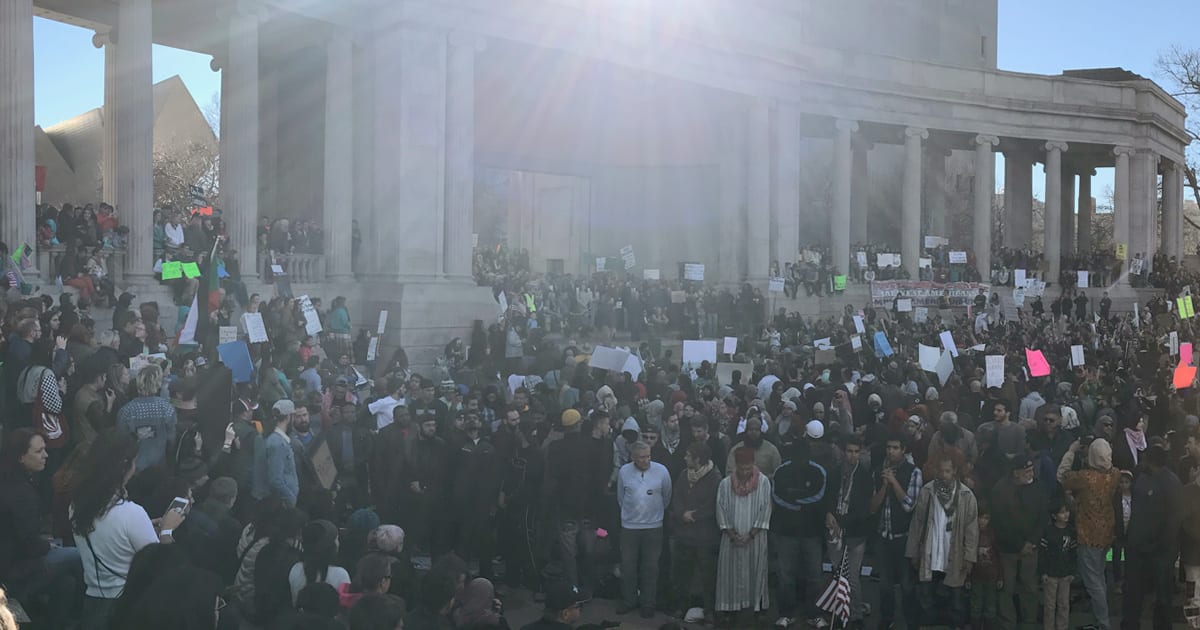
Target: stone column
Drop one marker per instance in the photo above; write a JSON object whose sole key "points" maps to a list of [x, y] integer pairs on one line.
{"points": [[1018, 200], [239, 137], [135, 137], [860, 190], [18, 199], [1121, 199], [1053, 222], [339, 157], [1067, 233], [733, 200], [758, 192], [108, 164], [785, 186], [910, 225], [985, 189], [1086, 211], [839, 220], [1143, 205], [935, 190], [460, 152], [1172, 198]]}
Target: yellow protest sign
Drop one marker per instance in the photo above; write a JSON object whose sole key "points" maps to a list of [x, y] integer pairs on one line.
{"points": [[1122, 251]]}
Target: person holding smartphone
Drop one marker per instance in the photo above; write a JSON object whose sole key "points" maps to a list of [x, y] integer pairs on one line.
{"points": [[109, 529]]}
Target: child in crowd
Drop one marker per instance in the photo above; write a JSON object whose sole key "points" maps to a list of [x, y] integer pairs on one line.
{"points": [[1123, 506], [1057, 568], [986, 580]]}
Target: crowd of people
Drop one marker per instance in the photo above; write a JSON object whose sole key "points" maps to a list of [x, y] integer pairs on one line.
{"points": [[142, 487]]}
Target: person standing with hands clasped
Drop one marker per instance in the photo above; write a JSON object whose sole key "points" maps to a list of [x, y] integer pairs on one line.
{"points": [[643, 494], [1058, 568]]}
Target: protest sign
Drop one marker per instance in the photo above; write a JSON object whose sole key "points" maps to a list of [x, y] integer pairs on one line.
{"points": [[651, 274], [858, 324], [678, 297], [1038, 366], [932, 242], [995, 370], [1185, 375], [372, 348], [1077, 355], [1122, 251], [882, 347], [633, 365], [693, 271], [945, 367], [948, 343], [322, 461], [823, 343], [1019, 278], [960, 294], [277, 270], [925, 263], [383, 316], [696, 351], [839, 283], [958, 258], [730, 345], [928, 357], [856, 342], [255, 328], [861, 257], [191, 270], [236, 356], [920, 314], [725, 371], [1018, 297], [613, 359], [1185, 353], [600, 263], [172, 270], [1082, 280], [904, 305], [227, 334], [312, 320], [775, 285], [1173, 342]]}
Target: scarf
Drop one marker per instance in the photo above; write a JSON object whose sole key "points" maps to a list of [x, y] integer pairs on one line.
{"points": [[945, 491], [1136, 441], [743, 488], [670, 439], [843, 505], [695, 476]]}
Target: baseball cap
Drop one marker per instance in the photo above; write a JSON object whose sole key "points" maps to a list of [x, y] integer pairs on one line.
{"points": [[284, 407], [1021, 462], [562, 595]]}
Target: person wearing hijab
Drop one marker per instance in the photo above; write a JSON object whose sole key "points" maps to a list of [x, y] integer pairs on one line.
{"points": [[1095, 490], [1130, 442]]}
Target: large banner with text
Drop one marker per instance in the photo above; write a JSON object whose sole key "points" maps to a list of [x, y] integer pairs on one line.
{"points": [[927, 294]]}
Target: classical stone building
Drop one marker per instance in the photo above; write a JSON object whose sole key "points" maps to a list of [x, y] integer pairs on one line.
{"points": [[679, 127]]}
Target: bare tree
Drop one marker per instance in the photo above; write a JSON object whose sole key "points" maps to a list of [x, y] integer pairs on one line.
{"points": [[1182, 67], [212, 114], [176, 172]]}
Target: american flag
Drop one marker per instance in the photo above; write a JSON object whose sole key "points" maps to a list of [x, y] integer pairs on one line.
{"points": [[836, 598]]}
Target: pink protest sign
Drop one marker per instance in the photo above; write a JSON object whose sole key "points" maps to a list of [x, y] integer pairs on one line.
{"points": [[1037, 363], [1185, 353]]}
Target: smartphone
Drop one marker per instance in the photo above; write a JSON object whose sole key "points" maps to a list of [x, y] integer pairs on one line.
{"points": [[179, 504]]}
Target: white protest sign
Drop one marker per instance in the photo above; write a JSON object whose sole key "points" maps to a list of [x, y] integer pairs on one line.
{"points": [[633, 365], [651, 274], [730, 346], [312, 321], [725, 371], [925, 263], [858, 324], [883, 260], [1173, 341], [693, 271], [607, 358], [277, 270], [920, 314], [861, 257], [1077, 355], [1083, 280], [945, 367], [1018, 277], [958, 258], [775, 285], [227, 334], [904, 305], [856, 342], [1018, 296], [600, 262], [825, 343], [995, 370], [929, 357], [255, 327], [372, 348], [630, 262], [696, 351], [948, 343], [932, 242], [626, 251], [474, 240], [383, 315]]}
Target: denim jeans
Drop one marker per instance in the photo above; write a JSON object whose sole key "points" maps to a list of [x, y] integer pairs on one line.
{"points": [[854, 559], [576, 544], [798, 561], [896, 570], [1091, 571], [640, 549]]}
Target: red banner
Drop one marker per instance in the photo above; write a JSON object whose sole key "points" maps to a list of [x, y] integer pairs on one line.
{"points": [[39, 178]]}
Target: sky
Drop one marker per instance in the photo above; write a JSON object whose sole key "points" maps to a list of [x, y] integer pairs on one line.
{"points": [[1036, 36]]}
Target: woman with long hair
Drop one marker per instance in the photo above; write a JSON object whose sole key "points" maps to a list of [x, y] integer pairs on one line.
{"points": [[29, 564], [320, 541], [108, 528]]}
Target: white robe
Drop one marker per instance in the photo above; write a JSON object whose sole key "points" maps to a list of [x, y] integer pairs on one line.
{"points": [[742, 569]]}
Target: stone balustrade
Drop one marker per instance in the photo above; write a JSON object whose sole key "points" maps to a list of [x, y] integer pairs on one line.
{"points": [[49, 261], [300, 268]]}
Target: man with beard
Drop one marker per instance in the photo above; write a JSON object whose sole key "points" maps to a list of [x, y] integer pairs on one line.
{"points": [[943, 542], [387, 464], [572, 488], [350, 446], [521, 467], [304, 441], [718, 444], [476, 495], [1152, 540], [1019, 507], [426, 473], [766, 455]]}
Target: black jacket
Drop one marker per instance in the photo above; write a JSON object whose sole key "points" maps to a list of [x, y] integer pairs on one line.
{"points": [[858, 522], [702, 499], [21, 544], [1019, 514], [575, 476], [1154, 516]]}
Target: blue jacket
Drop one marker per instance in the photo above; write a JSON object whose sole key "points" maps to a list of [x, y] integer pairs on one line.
{"points": [[281, 468]]}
